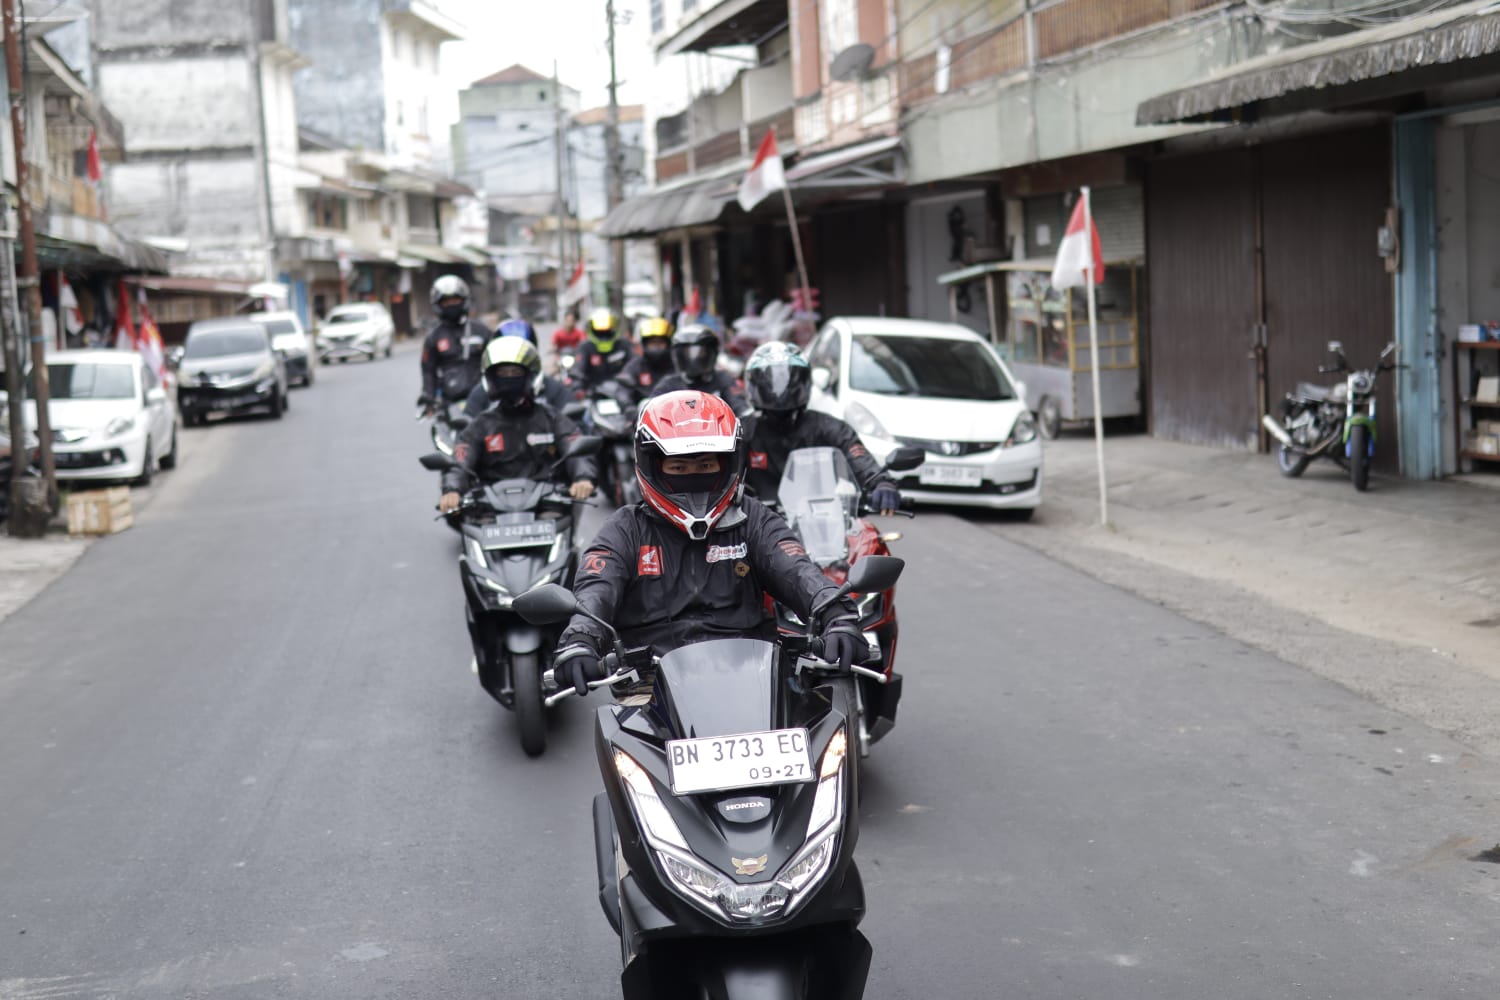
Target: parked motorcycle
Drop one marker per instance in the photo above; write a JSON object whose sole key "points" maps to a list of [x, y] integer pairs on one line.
{"points": [[611, 414], [724, 840], [31, 456], [517, 534], [1336, 422], [823, 506]]}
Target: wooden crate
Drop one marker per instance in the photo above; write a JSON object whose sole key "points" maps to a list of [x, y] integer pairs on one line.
{"points": [[99, 512]]}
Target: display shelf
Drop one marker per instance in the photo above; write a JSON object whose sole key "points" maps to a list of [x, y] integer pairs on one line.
{"points": [[1485, 406], [1481, 345], [1479, 456]]}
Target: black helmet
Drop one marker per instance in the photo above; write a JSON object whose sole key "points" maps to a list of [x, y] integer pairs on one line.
{"points": [[450, 286], [778, 379], [695, 351], [513, 390]]}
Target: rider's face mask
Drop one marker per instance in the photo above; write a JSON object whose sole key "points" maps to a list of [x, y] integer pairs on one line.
{"points": [[452, 309], [693, 473], [508, 385]]}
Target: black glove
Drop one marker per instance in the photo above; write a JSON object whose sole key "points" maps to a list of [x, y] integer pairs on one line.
{"points": [[844, 643], [424, 400], [885, 497], [575, 666]]}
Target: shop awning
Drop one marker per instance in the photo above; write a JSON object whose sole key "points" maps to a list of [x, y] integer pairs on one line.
{"points": [[192, 286], [1467, 31], [65, 240], [976, 271], [424, 253], [728, 22], [476, 257], [876, 163], [692, 204]]}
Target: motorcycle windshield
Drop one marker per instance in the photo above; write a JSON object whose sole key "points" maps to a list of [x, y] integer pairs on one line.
{"points": [[818, 496], [719, 687]]}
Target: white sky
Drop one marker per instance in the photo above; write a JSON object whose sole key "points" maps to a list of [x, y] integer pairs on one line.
{"points": [[535, 32]]}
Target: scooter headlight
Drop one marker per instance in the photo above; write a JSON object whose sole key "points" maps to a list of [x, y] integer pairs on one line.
{"points": [[656, 823]]}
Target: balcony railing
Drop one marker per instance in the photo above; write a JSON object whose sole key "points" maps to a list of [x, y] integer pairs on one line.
{"points": [[725, 147]]}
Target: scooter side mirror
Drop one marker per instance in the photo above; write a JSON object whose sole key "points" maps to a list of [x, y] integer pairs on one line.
{"points": [[547, 604], [873, 573], [436, 462], [458, 423], [905, 458]]}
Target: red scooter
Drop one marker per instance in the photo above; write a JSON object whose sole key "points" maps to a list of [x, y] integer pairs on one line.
{"points": [[823, 505]]}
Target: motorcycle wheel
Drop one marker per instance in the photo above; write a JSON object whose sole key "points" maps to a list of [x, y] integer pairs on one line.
{"points": [[1291, 463], [531, 717], [1359, 456]]}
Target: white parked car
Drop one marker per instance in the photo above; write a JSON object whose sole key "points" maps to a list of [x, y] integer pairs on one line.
{"points": [[938, 386], [288, 337], [111, 416], [355, 330]]}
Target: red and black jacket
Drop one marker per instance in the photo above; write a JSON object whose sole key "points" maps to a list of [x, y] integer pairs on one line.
{"points": [[450, 360], [771, 442], [500, 445]]}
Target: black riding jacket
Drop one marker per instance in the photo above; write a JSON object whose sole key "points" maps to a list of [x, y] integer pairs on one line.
{"points": [[661, 589], [721, 384], [594, 366], [450, 360], [552, 392], [524, 444], [771, 442], [641, 379]]}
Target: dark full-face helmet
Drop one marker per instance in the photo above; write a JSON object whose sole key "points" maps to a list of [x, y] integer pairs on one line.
{"points": [[450, 299], [695, 352], [778, 380]]}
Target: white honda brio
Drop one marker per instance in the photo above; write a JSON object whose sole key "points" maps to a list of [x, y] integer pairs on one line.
{"points": [[938, 386]]}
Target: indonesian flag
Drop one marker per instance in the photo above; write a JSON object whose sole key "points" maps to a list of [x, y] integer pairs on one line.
{"points": [[67, 306], [1079, 244], [95, 171], [765, 174], [150, 343], [126, 338], [578, 286]]}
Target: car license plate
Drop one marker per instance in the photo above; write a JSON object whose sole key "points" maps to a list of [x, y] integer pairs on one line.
{"points": [[746, 760], [950, 475], [232, 402], [527, 532]]}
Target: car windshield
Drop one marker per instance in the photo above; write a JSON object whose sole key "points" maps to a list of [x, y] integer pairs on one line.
{"points": [[351, 316], [279, 325], [936, 367], [88, 381], [223, 343]]}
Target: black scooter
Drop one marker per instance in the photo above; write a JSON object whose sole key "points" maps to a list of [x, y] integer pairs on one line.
{"points": [[517, 534], [724, 839]]}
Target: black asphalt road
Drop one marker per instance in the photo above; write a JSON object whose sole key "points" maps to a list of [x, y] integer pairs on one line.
{"points": [[242, 755]]}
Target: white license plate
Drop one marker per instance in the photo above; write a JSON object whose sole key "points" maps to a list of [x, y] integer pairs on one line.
{"points": [[501, 535], [950, 475], [607, 407], [718, 763]]}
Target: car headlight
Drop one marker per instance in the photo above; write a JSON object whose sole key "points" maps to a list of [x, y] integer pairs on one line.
{"points": [[265, 371], [188, 379], [865, 422], [118, 426], [1024, 432]]}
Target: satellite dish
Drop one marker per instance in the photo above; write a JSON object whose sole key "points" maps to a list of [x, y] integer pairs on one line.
{"points": [[853, 62]]}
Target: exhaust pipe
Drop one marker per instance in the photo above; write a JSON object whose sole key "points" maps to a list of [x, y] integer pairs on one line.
{"points": [[1277, 431]]}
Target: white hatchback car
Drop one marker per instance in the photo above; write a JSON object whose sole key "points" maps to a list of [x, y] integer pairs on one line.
{"points": [[355, 330], [288, 337], [938, 386], [111, 416]]}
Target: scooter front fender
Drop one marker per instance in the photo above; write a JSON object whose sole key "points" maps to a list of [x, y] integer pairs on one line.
{"points": [[520, 639]]}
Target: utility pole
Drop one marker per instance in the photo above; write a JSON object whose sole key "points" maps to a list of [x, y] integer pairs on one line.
{"points": [[557, 163], [28, 282], [614, 190]]}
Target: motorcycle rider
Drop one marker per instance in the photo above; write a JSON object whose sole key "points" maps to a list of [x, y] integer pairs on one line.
{"points": [[654, 363], [603, 353], [695, 354], [517, 437], [548, 389], [452, 349], [693, 561], [778, 382]]}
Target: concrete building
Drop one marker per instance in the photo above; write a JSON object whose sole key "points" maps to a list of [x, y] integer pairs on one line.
{"points": [[373, 82], [204, 92]]}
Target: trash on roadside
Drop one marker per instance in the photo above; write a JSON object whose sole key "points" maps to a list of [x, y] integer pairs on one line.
{"points": [[99, 512]]}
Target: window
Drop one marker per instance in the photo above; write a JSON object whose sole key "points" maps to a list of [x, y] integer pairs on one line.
{"points": [[89, 381], [932, 367], [825, 355], [658, 17], [840, 23]]}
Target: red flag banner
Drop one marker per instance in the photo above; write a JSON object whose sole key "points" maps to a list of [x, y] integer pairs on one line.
{"points": [[1079, 249]]}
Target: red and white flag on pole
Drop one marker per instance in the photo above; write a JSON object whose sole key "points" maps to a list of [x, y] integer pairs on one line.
{"points": [[765, 176], [95, 170], [126, 338], [1080, 246], [150, 343], [578, 286], [67, 307]]}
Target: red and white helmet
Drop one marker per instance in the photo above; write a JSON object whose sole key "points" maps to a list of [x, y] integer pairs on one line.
{"points": [[689, 423]]}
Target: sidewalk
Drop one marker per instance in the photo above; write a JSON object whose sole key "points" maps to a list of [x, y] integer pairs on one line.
{"points": [[1298, 566]]}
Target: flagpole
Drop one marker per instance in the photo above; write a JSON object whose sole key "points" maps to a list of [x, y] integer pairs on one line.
{"points": [[1088, 215], [791, 218]]}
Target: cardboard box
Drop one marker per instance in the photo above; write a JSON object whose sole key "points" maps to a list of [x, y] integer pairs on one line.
{"points": [[1488, 390], [1487, 427], [1470, 333], [99, 512], [1482, 444]]}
